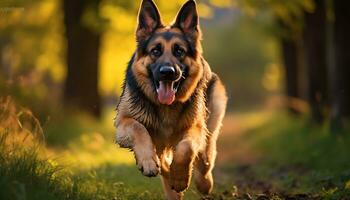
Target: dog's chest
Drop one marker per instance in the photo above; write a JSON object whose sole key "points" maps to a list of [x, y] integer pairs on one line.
{"points": [[168, 122], [162, 122]]}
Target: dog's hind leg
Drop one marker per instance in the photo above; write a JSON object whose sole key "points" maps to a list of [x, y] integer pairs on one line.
{"points": [[203, 176], [216, 102]]}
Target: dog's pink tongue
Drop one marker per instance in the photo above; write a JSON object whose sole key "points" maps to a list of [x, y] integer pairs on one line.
{"points": [[166, 94]]}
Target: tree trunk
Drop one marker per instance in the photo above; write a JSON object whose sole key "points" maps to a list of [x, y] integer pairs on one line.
{"points": [[316, 60], [289, 39], [83, 43], [291, 66], [340, 81]]}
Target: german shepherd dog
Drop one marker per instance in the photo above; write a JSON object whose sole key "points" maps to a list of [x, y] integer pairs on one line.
{"points": [[172, 104]]}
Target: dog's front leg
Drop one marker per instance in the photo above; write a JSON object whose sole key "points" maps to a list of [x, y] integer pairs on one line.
{"points": [[132, 134], [184, 156]]}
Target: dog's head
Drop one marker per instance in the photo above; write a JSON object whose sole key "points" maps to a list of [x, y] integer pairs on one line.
{"points": [[167, 61]]}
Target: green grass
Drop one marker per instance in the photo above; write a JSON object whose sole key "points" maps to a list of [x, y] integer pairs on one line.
{"points": [[87, 166], [294, 158], [23, 175], [319, 162]]}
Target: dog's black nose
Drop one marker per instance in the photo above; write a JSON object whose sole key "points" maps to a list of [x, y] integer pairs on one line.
{"points": [[167, 72]]}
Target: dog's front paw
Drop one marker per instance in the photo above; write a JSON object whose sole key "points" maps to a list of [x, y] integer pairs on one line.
{"points": [[149, 166], [179, 178]]}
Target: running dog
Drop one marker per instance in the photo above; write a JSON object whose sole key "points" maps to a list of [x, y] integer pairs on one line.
{"points": [[172, 105]]}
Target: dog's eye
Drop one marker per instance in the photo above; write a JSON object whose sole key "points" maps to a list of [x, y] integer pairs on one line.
{"points": [[156, 52], [178, 51]]}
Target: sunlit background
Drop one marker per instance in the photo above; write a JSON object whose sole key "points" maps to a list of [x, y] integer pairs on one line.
{"points": [[284, 64], [237, 44]]}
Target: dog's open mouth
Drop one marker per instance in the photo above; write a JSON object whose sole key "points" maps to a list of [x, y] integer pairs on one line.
{"points": [[166, 91]]}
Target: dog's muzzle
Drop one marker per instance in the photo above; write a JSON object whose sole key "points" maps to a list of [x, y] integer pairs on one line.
{"points": [[167, 84]]}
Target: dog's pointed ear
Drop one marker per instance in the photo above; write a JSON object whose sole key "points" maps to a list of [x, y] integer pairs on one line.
{"points": [[148, 19], [187, 18]]}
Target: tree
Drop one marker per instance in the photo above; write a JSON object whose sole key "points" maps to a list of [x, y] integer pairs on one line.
{"points": [[83, 43], [340, 81], [290, 58], [316, 60], [288, 18]]}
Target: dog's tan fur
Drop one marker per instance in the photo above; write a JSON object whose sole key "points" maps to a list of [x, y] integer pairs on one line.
{"points": [[172, 140]]}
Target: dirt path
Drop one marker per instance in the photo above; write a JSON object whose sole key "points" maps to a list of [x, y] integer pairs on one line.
{"points": [[231, 144]]}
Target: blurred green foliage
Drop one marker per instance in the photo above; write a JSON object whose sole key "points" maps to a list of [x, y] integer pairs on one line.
{"points": [[290, 12], [241, 55]]}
